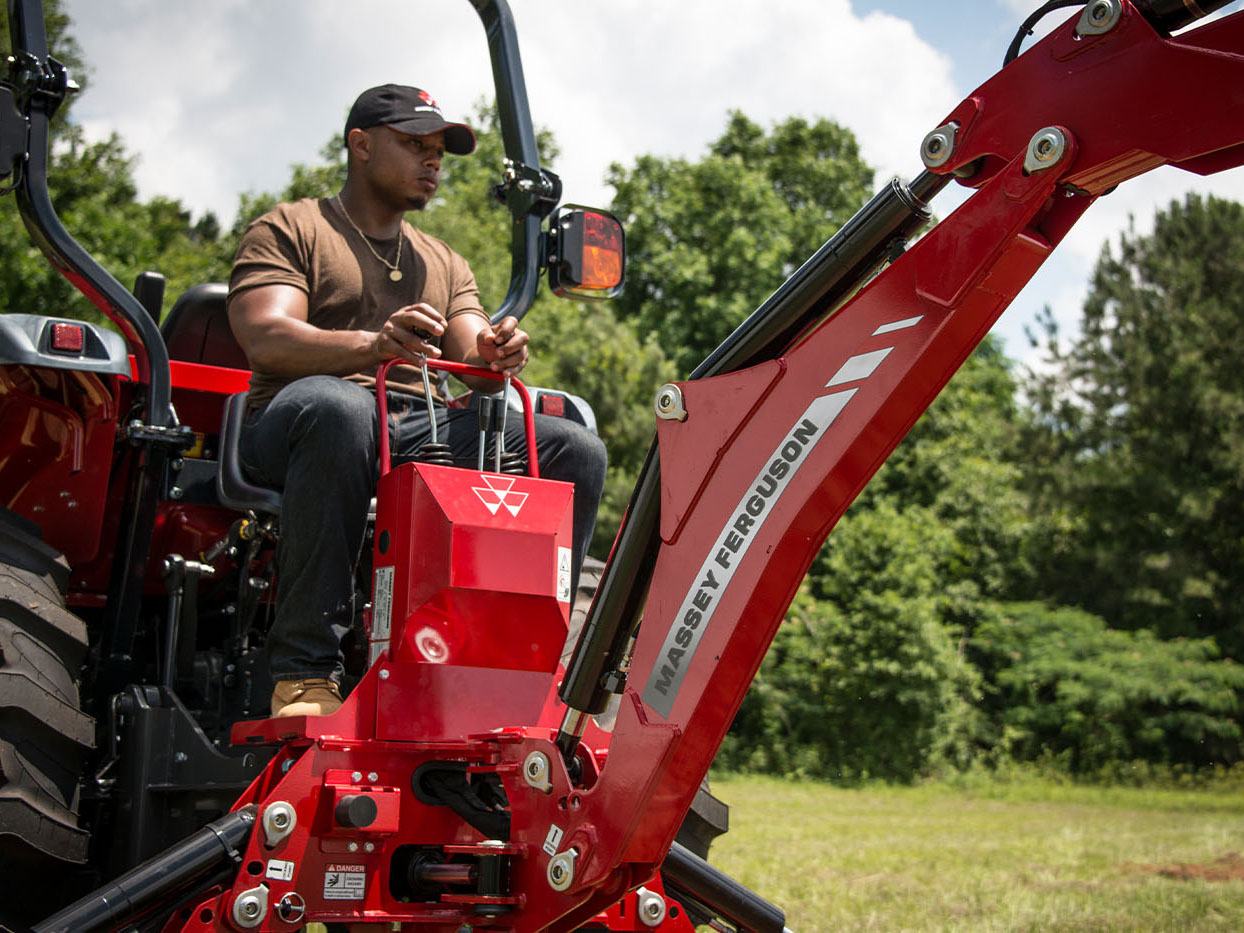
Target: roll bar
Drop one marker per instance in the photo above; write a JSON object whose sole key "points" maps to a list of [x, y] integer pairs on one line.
{"points": [[38, 85], [527, 190]]}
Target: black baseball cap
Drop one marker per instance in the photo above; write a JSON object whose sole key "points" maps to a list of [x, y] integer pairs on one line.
{"points": [[408, 110]]}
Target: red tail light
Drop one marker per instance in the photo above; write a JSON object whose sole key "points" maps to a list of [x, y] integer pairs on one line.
{"points": [[68, 338]]}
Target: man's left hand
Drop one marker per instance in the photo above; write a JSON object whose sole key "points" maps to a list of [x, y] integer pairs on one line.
{"points": [[503, 348]]}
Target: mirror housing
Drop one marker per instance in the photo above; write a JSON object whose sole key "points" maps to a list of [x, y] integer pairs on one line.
{"points": [[587, 253]]}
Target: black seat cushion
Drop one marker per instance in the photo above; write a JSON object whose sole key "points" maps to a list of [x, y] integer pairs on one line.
{"points": [[197, 330], [232, 486]]}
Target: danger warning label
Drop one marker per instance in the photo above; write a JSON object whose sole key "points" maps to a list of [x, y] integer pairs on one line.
{"points": [[344, 882]]}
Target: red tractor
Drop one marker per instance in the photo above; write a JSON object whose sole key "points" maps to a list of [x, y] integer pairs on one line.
{"points": [[475, 777]]}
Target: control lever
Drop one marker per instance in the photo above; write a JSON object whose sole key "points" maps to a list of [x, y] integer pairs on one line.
{"points": [[484, 410], [427, 396], [181, 578], [499, 445], [432, 451]]}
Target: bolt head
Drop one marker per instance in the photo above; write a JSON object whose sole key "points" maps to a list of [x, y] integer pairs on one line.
{"points": [[384, 673], [372, 777], [280, 819], [557, 871], [369, 847], [353, 847], [250, 908], [356, 776]]}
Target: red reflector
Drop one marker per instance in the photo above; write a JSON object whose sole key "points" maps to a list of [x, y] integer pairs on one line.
{"points": [[553, 405], [68, 338]]}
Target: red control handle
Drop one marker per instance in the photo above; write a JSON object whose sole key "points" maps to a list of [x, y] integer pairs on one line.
{"points": [[382, 405]]}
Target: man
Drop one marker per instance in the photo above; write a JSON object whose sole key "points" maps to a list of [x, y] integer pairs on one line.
{"points": [[322, 291]]}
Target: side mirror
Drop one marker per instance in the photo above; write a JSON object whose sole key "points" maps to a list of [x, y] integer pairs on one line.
{"points": [[587, 253]]}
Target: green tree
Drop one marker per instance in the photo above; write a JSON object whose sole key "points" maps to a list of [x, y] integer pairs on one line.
{"points": [[709, 240], [93, 190], [962, 461], [863, 679], [1137, 428], [1063, 685], [92, 187]]}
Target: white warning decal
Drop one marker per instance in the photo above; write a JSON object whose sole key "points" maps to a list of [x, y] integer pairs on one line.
{"points": [[280, 870], [344, 882], [563, 574], [553, 839], [382, 604]]}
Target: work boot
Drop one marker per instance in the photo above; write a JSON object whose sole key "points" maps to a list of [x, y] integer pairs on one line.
{"points": [[314, 696]]}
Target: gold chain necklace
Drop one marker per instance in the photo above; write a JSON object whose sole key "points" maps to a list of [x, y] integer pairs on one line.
{"points": [[395, 274]]}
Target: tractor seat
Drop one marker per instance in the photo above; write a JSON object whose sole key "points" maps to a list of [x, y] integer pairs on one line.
{"points": [[197, 330], [232, 487]]}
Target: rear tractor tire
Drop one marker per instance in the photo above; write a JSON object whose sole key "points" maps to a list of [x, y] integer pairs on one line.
{"points": [[44, 735]]}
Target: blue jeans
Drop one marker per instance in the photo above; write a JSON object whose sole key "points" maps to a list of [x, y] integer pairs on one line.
{"points": [[316, 441]]}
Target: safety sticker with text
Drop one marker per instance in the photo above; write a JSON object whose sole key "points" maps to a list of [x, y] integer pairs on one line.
{"points": [[280, 870], [382, 604], [563, 574], [344, 882], [553, 839]]}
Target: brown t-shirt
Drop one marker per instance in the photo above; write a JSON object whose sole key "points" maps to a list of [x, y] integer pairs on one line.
{"points": [[311, 245]]}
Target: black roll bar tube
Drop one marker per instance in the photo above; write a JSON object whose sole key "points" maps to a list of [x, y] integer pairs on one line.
{"points": [[529, 191], [45, 88]]}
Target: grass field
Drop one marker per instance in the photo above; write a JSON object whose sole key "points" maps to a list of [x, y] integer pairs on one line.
{"points": [[1022, 855]]}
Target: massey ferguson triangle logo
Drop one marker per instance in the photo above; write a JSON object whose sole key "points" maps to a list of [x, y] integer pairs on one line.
{"points": [[499, 491]]}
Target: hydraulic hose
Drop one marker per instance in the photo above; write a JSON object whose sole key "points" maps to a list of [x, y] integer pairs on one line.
{"points": [[685, 873], [174, 870], [1169, 15]]}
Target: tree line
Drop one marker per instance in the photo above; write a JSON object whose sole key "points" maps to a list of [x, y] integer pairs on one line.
{"points": [[1048, 568]]}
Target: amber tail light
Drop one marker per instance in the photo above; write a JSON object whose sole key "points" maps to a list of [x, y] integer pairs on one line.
{"points": [[587, 253]]}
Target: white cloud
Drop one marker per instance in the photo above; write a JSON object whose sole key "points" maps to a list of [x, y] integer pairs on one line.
{"points": [[219, 98]]}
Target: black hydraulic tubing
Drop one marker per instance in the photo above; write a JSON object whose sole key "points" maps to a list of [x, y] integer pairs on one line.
{"points": [[196, 857], [1169, 15], [895, 213], [684, 872], [862, 244], [64, 253], [519, 137]]}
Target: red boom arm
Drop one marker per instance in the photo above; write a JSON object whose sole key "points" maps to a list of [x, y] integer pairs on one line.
{"points": [[765, 463], [770, 458]]}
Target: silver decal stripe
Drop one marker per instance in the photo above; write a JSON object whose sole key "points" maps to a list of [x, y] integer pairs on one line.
{"points": [[898, 325], [859, 367], [731, 546]]}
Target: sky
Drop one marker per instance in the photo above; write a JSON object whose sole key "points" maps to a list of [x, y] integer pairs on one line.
{"points": [[220, 97]]}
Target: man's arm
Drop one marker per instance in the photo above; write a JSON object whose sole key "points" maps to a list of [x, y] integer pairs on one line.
{"points": [[270, 323], [470, 338]]}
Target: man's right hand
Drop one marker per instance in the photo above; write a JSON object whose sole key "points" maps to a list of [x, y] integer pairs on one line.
{"points": [[408, 332]]}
